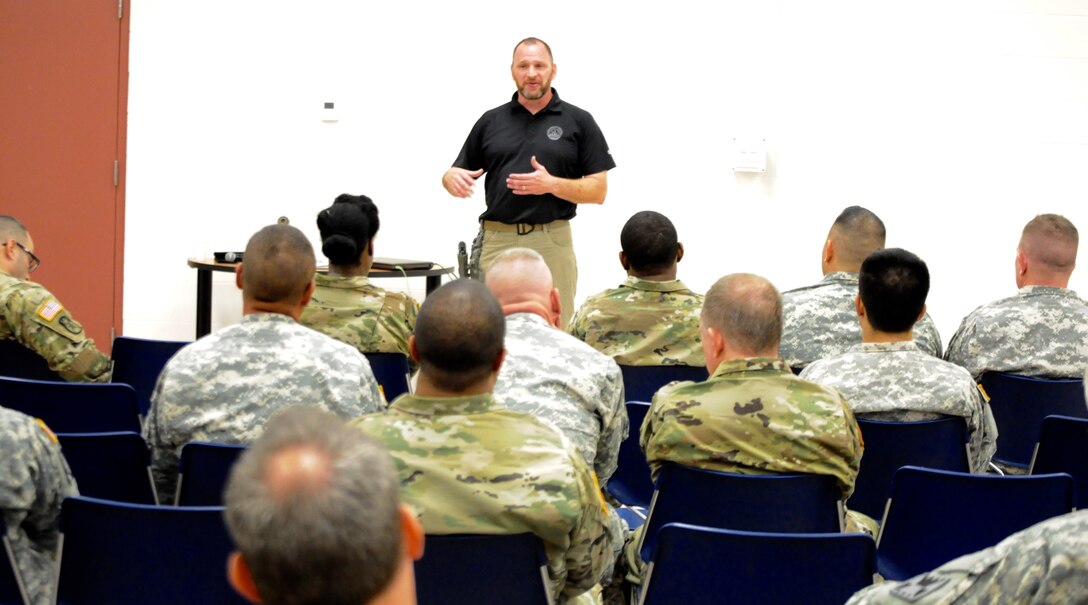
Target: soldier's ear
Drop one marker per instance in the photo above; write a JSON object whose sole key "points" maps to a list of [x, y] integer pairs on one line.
{"points": [[829, 251], [624, 262], [238, 276], [679, 251], [411, 533], [413, 352], [921, 314], [859, 306], [240, 577]]}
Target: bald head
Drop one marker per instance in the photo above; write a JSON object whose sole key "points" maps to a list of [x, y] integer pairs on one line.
{"points": [[278, 265], [518, 276], [855, 234], [459, 335], [747, 310], [1049, 244], [11, 228]]}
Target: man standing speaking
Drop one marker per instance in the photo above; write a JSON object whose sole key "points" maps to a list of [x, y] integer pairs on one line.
{"points": [[542, 156]]}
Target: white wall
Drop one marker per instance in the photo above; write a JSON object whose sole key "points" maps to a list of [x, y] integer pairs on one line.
{"points": [[956, 121]]}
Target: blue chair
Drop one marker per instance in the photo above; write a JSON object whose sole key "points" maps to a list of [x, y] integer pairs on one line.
{"points": [[935, 516], [391, 371], [138, 362], [891, 445], [115, 552], [465, 569], [17, 361], [203, 470], [641, 382], [704, 566], [631, 483], [12, 591], [1020, 403], [1063, 448], [73, 407], [787, 503], [111, 466]]}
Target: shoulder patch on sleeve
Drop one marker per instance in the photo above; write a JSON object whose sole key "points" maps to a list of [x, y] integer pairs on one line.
{"points": [[70, 324], [49, 309], [919, 586], [52, 435]]}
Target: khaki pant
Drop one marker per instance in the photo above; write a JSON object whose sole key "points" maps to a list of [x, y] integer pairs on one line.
{"points": [[553, 241]]}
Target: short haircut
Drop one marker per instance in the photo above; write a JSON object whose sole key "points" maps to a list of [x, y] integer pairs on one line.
{"points": [[747, 309], [531, 40], [11, 228], [278, 264], [347, 227], [859, 233], [893, 285], [459, 334], [1051, 239], [334, 540], [649, 241]]}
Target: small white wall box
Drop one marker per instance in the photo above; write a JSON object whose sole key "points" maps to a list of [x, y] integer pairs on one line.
{"points": [[749, 154], [329, 113]]}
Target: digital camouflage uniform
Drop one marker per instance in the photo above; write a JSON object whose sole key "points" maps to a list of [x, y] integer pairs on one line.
{"points": [[752, 416], [34, 479], [821, 321], [1043, 564], [225, 386], [31, 315], [643, 323], [469, 465], [1042, 331], [352, 310], [896, 382], [559, 379]]}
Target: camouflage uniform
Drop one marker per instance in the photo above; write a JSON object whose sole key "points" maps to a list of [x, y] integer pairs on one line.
{"points": [[557, 378], [366, 317], [1045, 563], [34, 479], [470, 465], [821, 321], [31, 315], [896, 382], [752, 416], [1042, 331], [223, 387], [643, 323]]}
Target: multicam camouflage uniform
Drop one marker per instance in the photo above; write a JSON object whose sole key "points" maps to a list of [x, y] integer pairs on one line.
{"points": [[752, 416], [34, 479], [223, 387], [896, 382], [1046, 563], [31, 315], [643, 323], [352, 310], [1042, 331], [561, 380], [470, 465], [821, 321]]}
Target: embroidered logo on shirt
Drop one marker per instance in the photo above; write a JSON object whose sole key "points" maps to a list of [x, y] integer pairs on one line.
{"points": [[554, 132], [50, 309]]}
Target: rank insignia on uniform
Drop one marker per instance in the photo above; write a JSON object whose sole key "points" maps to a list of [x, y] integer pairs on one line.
{"points": [[918, 587], [50, 309], [69, 324]]}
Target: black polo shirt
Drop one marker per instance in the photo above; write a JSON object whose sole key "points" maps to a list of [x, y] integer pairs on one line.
{"points": [[564, 139]]}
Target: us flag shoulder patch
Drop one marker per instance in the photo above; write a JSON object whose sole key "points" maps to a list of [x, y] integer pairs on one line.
{"points": [[50, 309]]}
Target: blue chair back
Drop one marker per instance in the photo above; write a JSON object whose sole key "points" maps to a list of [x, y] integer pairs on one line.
{"points": [[12, 591], [203, 470], [788, 503], [1020, 403], [631, 483], [889, 446], [138, 362], [17, 361], [704, 566], [391, 371], [935, 516], [111, 466], [465, 569], [73, 407], [641, 382], [114, 552], [1063, 448]]}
